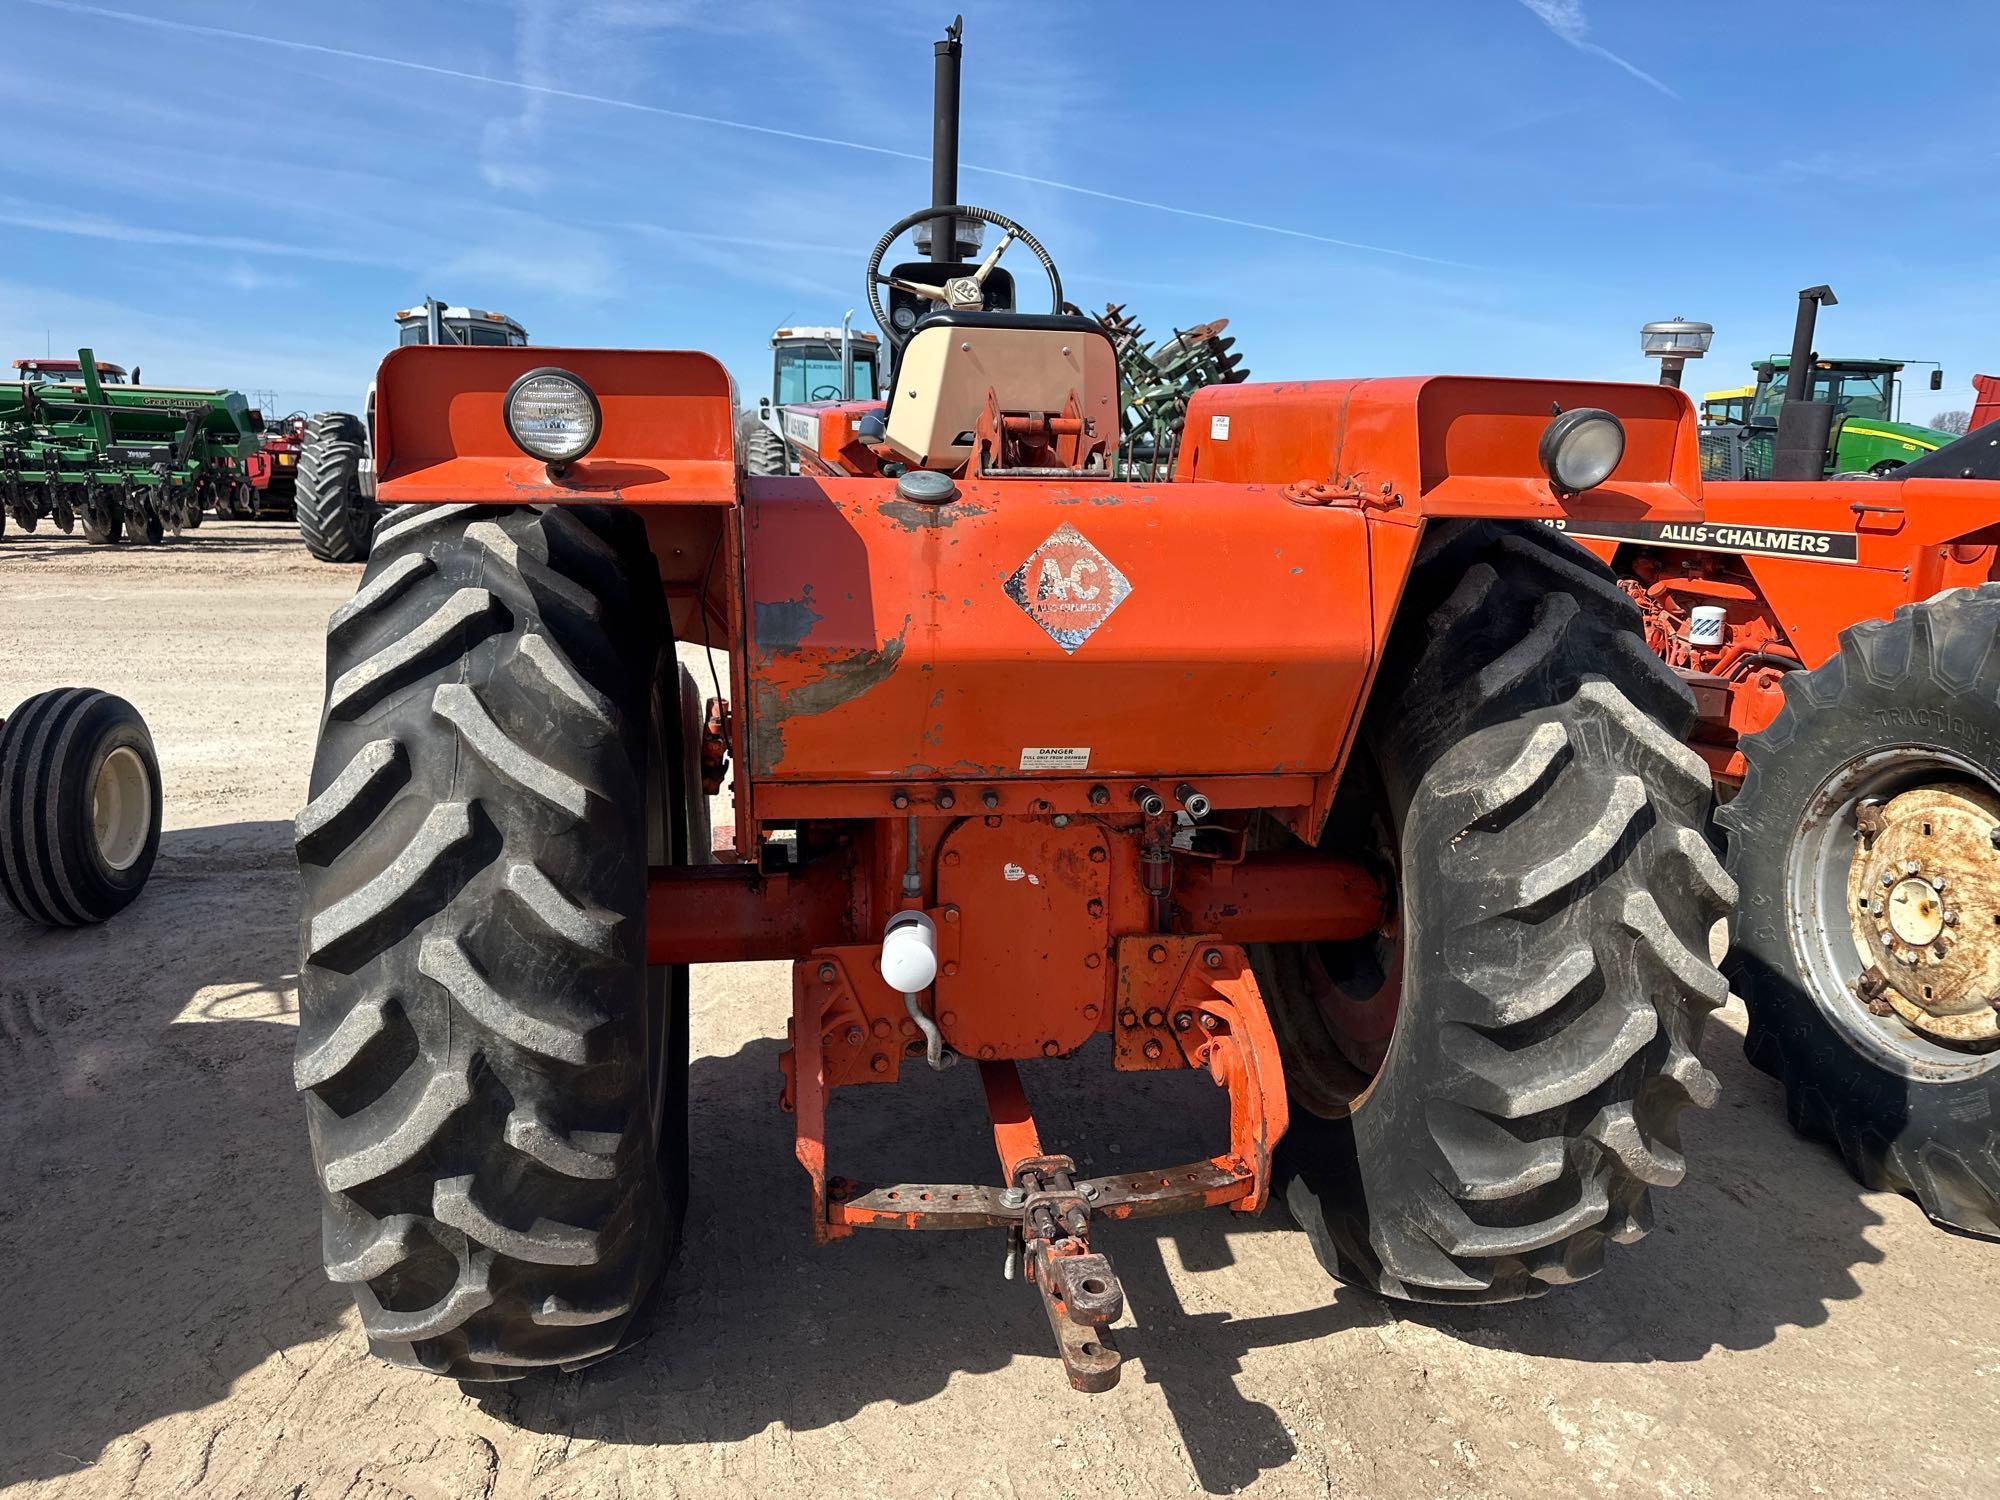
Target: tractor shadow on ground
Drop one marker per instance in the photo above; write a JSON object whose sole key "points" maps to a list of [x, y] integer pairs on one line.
{"points": [[158, 1224], [1764, 1234], [755, 1327]]}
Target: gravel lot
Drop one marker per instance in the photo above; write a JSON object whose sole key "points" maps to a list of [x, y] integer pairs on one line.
{"points": [[166, 1330]]}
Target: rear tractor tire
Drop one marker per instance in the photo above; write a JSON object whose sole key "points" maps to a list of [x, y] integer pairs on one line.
{"points": [[764, 452], [1482, 1099], [335, 518], [1866, 839], [79, 807], [495, 1080]]}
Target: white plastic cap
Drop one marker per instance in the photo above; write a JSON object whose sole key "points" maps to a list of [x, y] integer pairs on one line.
{"points": [[909, 952]]}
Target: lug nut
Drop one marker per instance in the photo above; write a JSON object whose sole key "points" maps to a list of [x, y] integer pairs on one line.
{"points": [[1050, 1049], [1152, 1047], [1095, 907], [854, 1034], [990, 798], [951, 856], [1128, 1017], [1092, 960], [827, 973], [899, 799], [1061, 820], [1097, 854], [879, 1062], [1150, 802], [879, 1026], [1157, 953], [1183, 1019], [945, 798], [1192, 802], [1213, 958], [1208, 1022], [1156, 1017], [1099, 795]]}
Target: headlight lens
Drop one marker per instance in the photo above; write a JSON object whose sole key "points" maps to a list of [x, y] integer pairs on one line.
{"points": [[552, 415], [1580, 448]]}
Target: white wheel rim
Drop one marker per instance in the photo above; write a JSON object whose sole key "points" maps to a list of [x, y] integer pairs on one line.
{"points": [[121, 808]]}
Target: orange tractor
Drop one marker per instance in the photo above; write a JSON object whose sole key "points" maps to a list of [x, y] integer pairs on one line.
{"points": [[1864, 759], [1326, 767]]}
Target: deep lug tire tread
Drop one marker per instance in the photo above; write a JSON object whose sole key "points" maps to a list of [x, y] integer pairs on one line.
{"points": [[1936, 1142], [472, 1040], [1558, 902], [334, 527]]}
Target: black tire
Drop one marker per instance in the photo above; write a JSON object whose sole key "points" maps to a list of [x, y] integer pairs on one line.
{"points": [[79, 807], [1556, 899], [764, 452], [335, 518], [496, 1082], [1913, 700]]}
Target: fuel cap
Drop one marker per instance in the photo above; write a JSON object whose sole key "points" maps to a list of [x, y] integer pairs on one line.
{"points": [[926, 487]]}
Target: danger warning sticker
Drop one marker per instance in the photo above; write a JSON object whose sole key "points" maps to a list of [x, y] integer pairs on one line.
{"points": [[1715, 536], [1055, 758]]}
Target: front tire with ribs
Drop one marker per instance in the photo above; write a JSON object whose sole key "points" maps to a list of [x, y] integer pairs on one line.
{"points": [[1866, 839], [1552, 968], [491, 1071]]}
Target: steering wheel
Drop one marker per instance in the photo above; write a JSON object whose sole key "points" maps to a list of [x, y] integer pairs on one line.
{"points": [[960, 293], [824, 393]]}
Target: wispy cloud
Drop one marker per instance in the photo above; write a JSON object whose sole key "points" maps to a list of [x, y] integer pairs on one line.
{"points": [[24, 215], [74, 7], [1566, 19]]}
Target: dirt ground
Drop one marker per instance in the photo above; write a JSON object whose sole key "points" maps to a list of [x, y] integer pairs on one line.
{"points": [[165, 1328]]}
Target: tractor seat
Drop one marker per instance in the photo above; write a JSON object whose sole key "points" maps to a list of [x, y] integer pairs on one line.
{"points": [[1033, 362]]}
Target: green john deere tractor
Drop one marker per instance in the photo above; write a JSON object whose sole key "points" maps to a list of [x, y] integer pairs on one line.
{"points": [[1867, 438]]}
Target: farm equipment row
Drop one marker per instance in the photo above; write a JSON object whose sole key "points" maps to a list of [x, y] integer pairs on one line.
{"points": [[82, 445]]}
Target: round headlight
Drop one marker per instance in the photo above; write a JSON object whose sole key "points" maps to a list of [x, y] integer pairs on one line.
{"points": [[552, 415], [1580, 448]]}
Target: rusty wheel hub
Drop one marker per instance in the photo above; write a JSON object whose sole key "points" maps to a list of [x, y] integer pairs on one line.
{"points": [[1924, 903]]}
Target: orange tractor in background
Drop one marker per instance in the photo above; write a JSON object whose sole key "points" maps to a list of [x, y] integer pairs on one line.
{"points": [[1864, 762], [1326, 767]]}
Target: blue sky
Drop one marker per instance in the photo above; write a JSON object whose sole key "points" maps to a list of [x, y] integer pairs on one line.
{"points": [[240, 195]]}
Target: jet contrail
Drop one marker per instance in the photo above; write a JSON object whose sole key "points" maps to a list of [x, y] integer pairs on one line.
{"points": [[606, 101]]}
